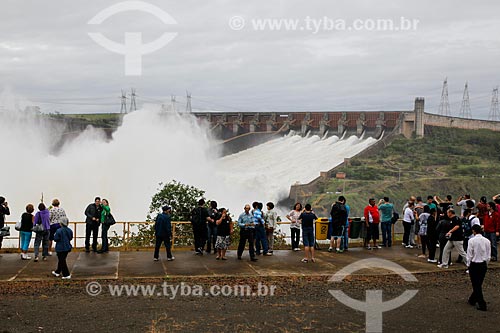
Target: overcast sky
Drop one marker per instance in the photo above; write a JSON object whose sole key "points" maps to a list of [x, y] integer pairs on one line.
{"points": [[47, 57]]}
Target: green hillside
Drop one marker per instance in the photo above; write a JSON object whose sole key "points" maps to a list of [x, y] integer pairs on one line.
{"points": [[446, 161]]}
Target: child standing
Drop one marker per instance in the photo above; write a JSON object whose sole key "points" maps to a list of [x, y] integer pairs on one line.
{"points": [[63, 237]]}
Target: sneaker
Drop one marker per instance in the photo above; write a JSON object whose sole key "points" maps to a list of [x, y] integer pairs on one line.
{"points": [[56, 274], [171, 259], [27, 257], [378, 247], [339, 251], [297, 249], [404, 244], [442, 266], [50, 254], [432, 260], [368, 247], [44, 258], [313, 260], [66, 277], [330, 249], [422, 256], [409, 246], [156, 259], [304, 261], [268, 254], [254, 259], [36, 259]]}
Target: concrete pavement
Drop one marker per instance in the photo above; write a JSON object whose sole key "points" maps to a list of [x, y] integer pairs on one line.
{"points": [[140, 264]]}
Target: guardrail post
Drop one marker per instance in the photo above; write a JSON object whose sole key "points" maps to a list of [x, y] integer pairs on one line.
{"points": [[173, 234], [125, 242]]}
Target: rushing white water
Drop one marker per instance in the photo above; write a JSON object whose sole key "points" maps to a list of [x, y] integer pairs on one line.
{"points": [[267, 171], [148, 148]]}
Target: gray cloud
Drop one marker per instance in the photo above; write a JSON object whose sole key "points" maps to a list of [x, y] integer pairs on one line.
{"points": [[46, 56]]}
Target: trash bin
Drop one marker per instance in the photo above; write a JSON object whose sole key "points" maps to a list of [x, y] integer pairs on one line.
{"points": [[321, 228], [355, 227]]}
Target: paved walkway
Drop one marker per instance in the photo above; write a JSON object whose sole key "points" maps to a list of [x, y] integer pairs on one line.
{"points": [[139, 264]]}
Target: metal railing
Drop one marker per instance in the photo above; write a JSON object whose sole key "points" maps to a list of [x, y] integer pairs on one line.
{"points": [[126, 231]]}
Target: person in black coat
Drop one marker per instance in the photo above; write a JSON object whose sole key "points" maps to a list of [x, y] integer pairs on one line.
{"points": [[92, 222], [163, 233], [4, 210], [199, 219]]}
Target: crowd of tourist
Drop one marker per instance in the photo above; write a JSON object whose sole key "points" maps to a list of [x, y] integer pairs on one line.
{"points": [[435, 223], [50, 224]]}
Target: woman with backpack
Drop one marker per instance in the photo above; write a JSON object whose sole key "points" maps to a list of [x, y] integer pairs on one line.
{"points": [[42, 219]]}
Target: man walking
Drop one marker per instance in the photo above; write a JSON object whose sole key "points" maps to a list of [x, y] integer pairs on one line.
{"points": [[372, 220], [163, 233], [92, 222], [455, 239], [478, 256], [386, 209], [247, 232]]}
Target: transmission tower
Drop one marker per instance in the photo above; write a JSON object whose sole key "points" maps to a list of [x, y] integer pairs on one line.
{"points": [[444, 106], [133, 106], [494, 113], [172, 102], [123, 108], [188, 103], [465, 108]]}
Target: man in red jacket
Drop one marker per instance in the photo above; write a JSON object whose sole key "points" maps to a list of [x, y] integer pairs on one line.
{"points": [[372, 220], [492, 228]]}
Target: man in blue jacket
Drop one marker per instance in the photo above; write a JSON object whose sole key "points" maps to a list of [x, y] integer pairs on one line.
{"points": [[163, 233]]}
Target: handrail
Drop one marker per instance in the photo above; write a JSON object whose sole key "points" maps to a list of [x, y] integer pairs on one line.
{"points": [[126, 228]]}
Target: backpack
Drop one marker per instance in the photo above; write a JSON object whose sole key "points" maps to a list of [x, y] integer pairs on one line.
{"points": [[395, 217], [467, 228], [339, 209], [195, 215]]}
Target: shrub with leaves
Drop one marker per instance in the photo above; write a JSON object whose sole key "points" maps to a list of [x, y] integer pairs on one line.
{"points": [[182, 198]]}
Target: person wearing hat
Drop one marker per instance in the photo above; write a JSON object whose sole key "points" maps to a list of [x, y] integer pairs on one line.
{"points": [[63, 237], [163, 233]]}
